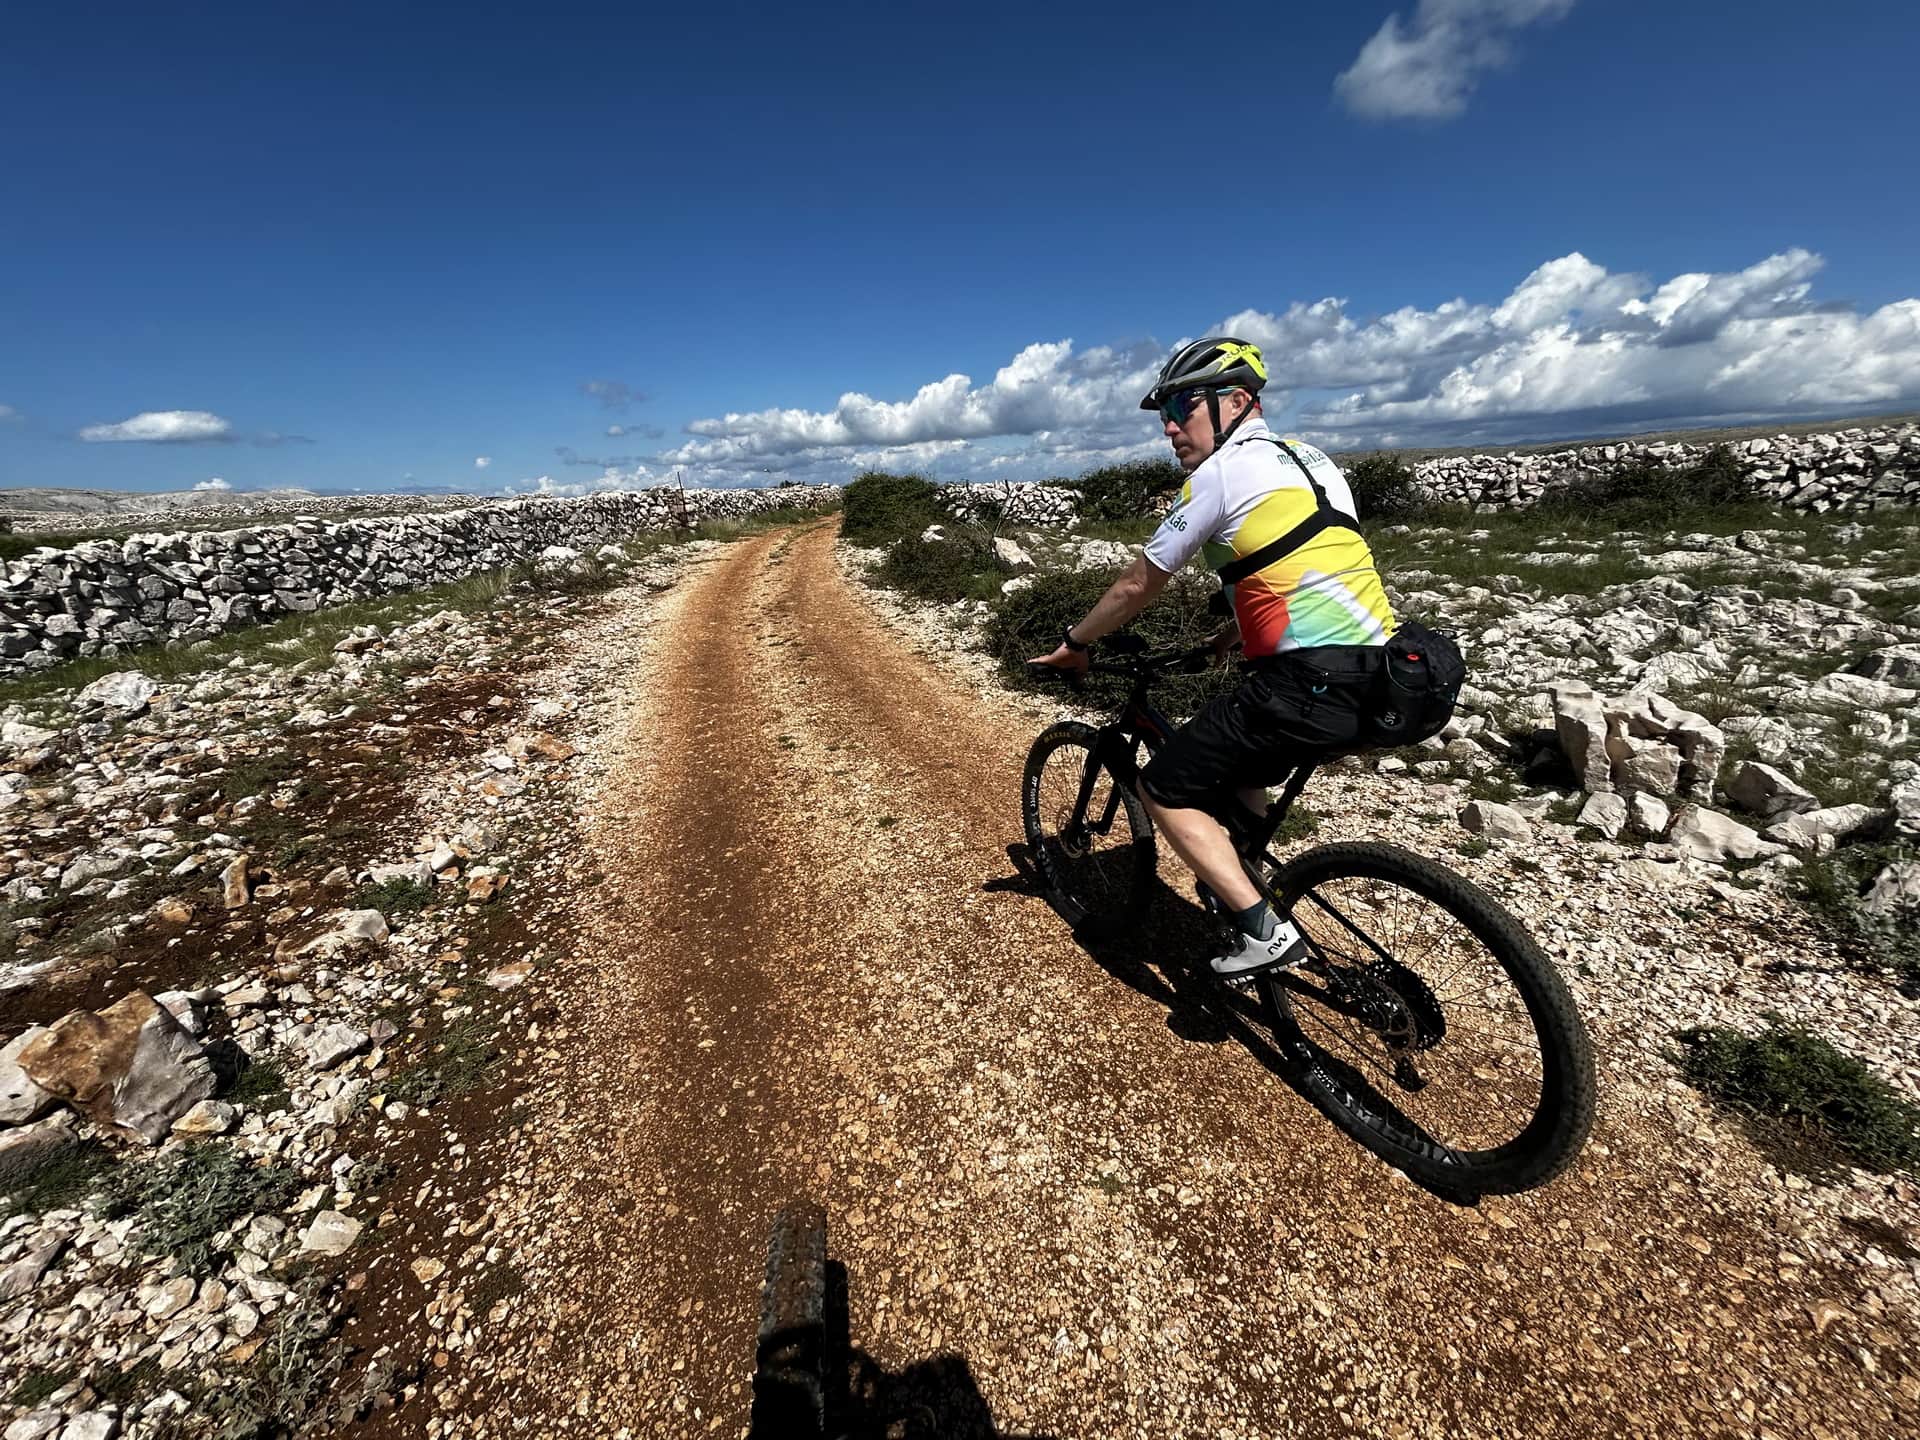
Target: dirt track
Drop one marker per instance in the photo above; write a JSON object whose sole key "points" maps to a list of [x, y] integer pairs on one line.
{"points": [[1071, 1198]]}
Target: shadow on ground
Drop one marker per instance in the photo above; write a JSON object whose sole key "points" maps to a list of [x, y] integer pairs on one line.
{"points": [[1164, 958]]}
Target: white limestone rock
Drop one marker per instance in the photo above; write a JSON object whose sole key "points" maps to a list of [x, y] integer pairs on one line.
{"points": [[1765, 791], [1606, 813], [1707, 835]]}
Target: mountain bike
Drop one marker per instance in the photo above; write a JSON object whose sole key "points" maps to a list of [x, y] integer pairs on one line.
{"points": [[1427, 1024]]}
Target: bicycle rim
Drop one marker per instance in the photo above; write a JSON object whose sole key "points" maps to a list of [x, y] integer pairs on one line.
{"points": [[1096, 861], [1430, 1026]]}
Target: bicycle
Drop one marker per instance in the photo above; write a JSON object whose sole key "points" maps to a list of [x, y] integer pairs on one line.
{"points": [[1417, 975]]}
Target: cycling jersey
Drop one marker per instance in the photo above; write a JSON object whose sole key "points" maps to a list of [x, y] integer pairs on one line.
{"points": [[1248, 494]]}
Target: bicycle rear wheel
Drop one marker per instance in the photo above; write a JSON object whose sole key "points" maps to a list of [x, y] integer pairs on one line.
{"points": [[1096, 860], [1430, 1026]]}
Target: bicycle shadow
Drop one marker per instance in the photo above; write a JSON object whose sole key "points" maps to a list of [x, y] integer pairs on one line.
{"points": [[1163, 958]]}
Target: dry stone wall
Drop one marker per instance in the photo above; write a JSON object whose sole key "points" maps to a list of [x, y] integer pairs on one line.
{"points": [[57, 604], [1020, 503], [1858, 469]]}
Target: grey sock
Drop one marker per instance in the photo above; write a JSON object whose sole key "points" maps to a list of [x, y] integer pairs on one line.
{"points": [[1257, 920]]}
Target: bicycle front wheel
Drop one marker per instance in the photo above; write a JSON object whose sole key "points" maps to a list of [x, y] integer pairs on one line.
{"points": [[1429, 1025], [1096, 858]]}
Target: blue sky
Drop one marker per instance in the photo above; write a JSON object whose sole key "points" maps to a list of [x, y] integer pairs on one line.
{"points": [[360, 247]]}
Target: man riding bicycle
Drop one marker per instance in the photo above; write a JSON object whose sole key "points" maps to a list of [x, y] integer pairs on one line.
{"points": [[1275, 517]]}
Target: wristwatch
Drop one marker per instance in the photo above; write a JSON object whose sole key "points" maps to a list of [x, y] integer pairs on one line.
{"points": [[1066, 639]]}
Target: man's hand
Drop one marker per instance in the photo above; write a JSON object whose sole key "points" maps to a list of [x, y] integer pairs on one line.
{"points": [[1074, 662]]}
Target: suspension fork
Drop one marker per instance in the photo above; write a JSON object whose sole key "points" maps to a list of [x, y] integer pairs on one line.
{"points": [[1113, 751]]}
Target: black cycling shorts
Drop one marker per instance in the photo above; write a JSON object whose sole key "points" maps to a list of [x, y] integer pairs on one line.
{"points": [[1299, 706]]}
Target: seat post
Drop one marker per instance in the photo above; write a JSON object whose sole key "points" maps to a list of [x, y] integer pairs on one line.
{"points": [[1296, 782]]}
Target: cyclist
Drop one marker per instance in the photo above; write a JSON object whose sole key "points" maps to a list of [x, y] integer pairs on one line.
{"points": [[1275, 516]]}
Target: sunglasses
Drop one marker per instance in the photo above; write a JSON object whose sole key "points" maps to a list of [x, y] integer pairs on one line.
{"points": [[1178, 408]]}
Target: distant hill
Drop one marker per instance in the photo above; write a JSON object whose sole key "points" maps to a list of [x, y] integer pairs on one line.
{"points": [[48, 500]]}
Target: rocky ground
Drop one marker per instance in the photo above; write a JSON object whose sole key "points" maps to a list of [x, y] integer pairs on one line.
{"points": [[510, 966]]}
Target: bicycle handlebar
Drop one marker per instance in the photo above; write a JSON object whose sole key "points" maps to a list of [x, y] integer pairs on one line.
{"points": [[1145, 665]]}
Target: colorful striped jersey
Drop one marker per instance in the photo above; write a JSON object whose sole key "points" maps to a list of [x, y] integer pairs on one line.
{"points": [[1248, 494]]}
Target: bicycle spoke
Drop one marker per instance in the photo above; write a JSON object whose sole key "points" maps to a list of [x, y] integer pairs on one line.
{"points": [[1483, 1081]]}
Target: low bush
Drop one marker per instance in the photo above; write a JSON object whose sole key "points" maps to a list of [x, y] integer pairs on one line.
{"points": [[1652, 495], [877, 507], [401, 895], [262, 1085], [958, 568], [1831, 887], [1122, 492], [1811, 1106], [182, 1203], [460, 1059], [1029, 622], [1383, 488], [63, 1181]]}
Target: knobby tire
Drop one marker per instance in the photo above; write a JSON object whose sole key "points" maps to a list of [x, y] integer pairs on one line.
{"points": [[1552, 1139]]}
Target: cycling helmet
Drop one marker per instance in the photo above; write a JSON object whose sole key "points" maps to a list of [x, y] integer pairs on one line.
{"points": [[1217, 362]]}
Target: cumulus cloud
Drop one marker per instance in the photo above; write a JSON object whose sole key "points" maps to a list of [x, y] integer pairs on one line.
{"points": [[1425, 68], [1572, 346], [216, 483], [163, 427], [1045, 386], [480, 462], [613, 394], [637, 477]]}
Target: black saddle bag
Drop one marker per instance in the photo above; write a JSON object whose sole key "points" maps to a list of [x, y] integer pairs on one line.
{"points": [[1418, 687]]}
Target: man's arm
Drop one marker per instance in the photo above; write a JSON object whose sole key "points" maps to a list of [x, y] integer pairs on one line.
{"points": [[1136, 589]]}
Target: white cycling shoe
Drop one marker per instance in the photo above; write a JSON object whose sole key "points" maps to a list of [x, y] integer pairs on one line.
{"points": [[1285, 950]]}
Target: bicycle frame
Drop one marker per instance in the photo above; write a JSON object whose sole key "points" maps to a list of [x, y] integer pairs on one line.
{"points": [[1140, 722]]}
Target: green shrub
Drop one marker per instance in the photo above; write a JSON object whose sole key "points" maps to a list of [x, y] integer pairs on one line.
{"points": [[63, 1181], [1383, 488], [183, 1201], [37, 1385], [401, 895], [1121, 492], [1654, 496], [1029, 622], [958, 568], [1808, 1104], [877, 507], [1301, 822], [1831, 887], [263, 1085]]}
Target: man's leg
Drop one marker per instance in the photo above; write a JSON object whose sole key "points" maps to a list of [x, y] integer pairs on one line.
{"points": [[1203, 843]]}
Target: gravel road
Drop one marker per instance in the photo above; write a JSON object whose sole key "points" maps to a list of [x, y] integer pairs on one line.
{"points": [[1073, 1194]]}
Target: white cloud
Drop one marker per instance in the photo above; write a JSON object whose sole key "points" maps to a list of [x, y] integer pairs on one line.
{"points": [[1573, 346], [480, 462], [216, 483], [638, 477], [1044, 386], [1425, 68], [7, 412], [163, 426], [616, 430]]}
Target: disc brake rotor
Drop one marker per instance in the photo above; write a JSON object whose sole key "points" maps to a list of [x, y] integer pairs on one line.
{"points": [[1408, 1014]]}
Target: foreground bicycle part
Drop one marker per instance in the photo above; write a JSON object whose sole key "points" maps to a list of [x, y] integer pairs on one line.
{"points": [[793, 1364], [1429, 1025]]}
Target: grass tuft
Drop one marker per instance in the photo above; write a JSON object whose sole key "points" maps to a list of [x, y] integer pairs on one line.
{"points": [[1810, 1106], [63, 1182]]}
